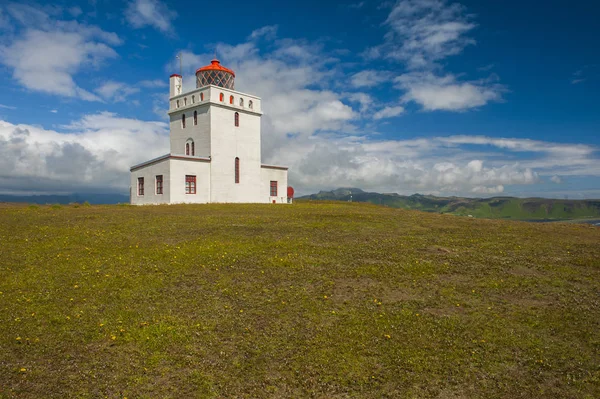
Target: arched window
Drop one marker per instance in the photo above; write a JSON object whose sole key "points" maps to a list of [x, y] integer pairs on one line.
{"points": [[195, 118], [183, 121], [230, 99], [193, 99], [221, 97], [237, 170], [237, 119], [250, 104], [177, 103], [201, 96], [190, 148], [184, 101], [241, 102]]}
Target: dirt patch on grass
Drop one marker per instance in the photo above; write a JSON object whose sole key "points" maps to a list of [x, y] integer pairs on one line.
{"points": [[435, 249], [526, 272], [347, 289]]}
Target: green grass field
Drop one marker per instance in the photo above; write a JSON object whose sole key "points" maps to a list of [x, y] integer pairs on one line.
{"points": [[313, 300]]}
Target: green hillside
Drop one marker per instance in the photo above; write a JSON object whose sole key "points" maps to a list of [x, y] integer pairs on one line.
{"points": [[311, 300], [496, 207]]}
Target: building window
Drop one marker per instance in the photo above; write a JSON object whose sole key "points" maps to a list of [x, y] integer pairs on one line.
{"points": [[193, 99], [241, 102], [140, 186], [230, 99], [250, 104], [273, 188], [159, 184], [201, 96], [190, 184], [237, 170], [221, 97], [183, 121], [184, 101], [195, 118], [237, 119], [189, 147], [177, 103]]}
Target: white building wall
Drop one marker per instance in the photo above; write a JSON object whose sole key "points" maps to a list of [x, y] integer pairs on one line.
{"points": [[149, 174], [279, 175], [229, 142], [182, 167], [200, 133]]}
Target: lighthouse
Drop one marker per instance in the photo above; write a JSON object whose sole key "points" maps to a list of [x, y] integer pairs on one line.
{"points": [[215, 148]]}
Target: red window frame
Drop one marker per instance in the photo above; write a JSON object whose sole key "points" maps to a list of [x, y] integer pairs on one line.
{"points": [[230, 99], [195, 118], [273, 188], [190, 184], [237, 170], [159, 184], [221, 97], [140, 186], [183, 121], [236, 119], [201, 96]]}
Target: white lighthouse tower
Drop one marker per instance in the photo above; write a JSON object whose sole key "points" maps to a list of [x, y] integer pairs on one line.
{"points": [[215, 141]]}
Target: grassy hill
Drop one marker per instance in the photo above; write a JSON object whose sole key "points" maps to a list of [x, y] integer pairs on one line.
{"points": [[313, 300], [496, 207]]}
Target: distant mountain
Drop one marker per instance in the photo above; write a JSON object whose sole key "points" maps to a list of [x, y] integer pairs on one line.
{"points": [[103, 198], [496, 207]]}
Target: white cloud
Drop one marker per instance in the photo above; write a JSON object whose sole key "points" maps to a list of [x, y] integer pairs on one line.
{"points": [[141, 13], [153, 84], [421, 33], [424, 31], [54, 111], [445, 92], [369, 78], [95, 153], [556, 179], [7, 106], [364, 100], [266, 32], [388, 112], [48, 53], [116, 91]]}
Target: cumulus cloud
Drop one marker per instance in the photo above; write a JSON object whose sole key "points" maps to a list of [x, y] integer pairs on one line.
{"points": [[369, 78], [92, 153], [446, 92], [48, 52], [424, 31], [141, 13], [116, 91], [556, 179], [388, 112], [421, 33]]}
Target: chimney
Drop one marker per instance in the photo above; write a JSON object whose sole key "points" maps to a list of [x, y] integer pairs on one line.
{"points": [[175, 85]]}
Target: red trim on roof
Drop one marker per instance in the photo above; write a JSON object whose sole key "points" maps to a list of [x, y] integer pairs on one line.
{"points": [[175, 74], [215, 65]]}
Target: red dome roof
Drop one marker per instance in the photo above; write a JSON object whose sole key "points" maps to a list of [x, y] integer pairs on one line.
{"points": [[215, 65]]}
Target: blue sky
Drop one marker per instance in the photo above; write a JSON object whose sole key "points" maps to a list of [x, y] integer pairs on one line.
{"points": [[450, 98]]}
